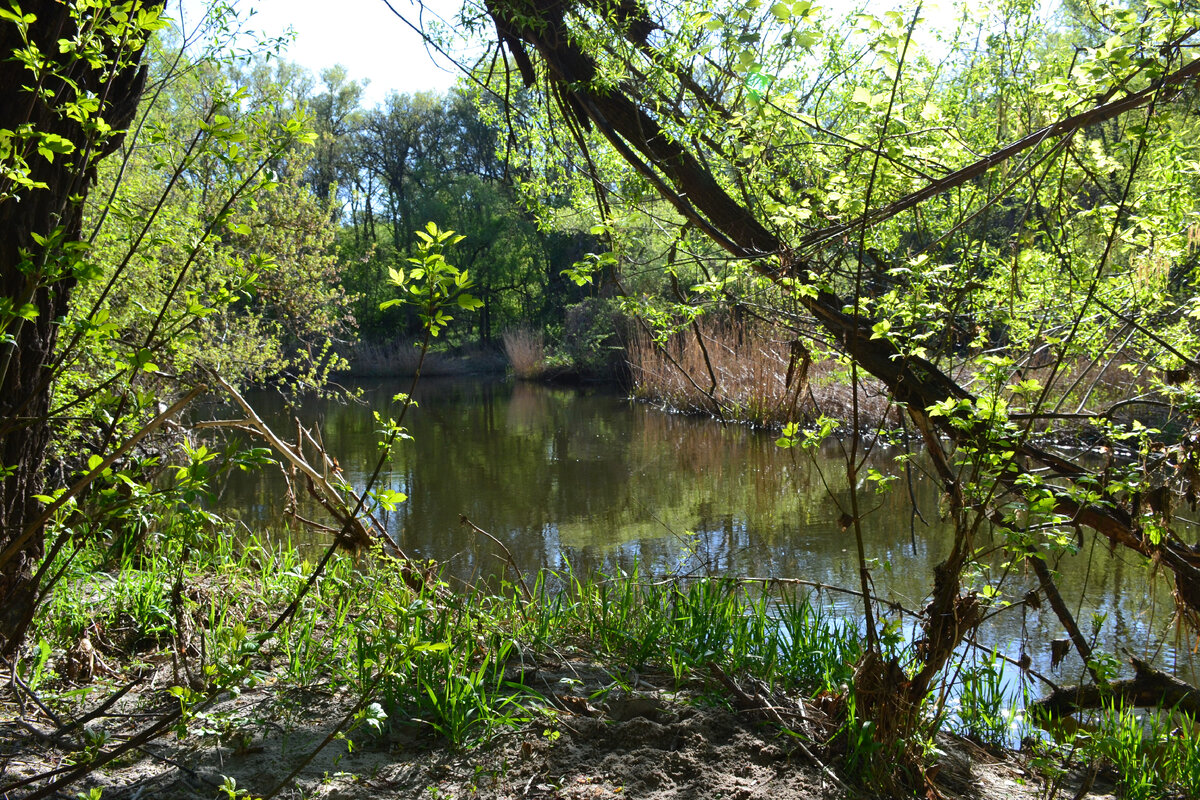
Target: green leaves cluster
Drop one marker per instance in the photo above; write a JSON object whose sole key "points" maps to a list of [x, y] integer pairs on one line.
{"points": [[431, 284]]}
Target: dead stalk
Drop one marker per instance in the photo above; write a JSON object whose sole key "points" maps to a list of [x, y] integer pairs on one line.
{"points": [[512, 562], [326, 493]]}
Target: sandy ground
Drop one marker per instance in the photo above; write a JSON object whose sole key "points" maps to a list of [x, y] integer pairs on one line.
{"points": [[647, 743]]}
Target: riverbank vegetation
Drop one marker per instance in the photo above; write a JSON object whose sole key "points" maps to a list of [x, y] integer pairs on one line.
{"points": [[742, 372], [980, 233], [387, 657]]}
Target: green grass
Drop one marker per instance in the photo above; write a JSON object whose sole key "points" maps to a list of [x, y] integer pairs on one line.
{"points": [[431, 657], [1153, 754], [985, 712]]}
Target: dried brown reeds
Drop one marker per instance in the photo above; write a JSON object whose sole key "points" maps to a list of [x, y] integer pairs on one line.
{"points": [[526, 353], [387, 359], [399, 358], [738, 371]]}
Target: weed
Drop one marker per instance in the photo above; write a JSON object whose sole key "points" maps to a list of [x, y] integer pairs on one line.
{"points": [[526, 352], [985, 713]]}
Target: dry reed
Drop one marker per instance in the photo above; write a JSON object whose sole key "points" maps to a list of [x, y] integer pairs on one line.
{"points": [[526, 353], [748, 374]]}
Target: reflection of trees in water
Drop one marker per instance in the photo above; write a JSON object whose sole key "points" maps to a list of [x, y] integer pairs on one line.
{"points": [[562, 476]]}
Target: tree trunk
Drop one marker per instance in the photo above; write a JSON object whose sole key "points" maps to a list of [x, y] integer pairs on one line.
{"points": [[39, 273]]}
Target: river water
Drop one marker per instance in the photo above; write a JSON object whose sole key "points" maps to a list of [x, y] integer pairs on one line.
{"points": [[593, 481]]}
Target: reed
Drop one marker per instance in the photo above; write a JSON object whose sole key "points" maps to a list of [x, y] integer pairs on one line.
{"points": [[526, 353], [739, 371], [1154, 753], [395, 358]]}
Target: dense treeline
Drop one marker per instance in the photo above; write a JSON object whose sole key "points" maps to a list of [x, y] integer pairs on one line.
{"points": [[384, 172], [341, 206], [413, 159]]}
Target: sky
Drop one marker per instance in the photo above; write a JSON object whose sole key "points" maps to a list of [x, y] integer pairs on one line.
{"points": [[365, 36], [374, 43]]}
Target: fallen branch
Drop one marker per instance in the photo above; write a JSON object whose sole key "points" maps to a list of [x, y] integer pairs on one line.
{"points": [[17, 686], [1148, 688], [355, 534], [1062, 612]]}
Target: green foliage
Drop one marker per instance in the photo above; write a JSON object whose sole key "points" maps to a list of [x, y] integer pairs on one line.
{"points": [[972, 209], [207, 241], [419, 157], [209, 248], [431, 284], [1155, 754], [204, 253]]}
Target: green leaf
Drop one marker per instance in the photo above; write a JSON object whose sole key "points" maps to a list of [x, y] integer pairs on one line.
{"points": [[17, 17], [466, 301], [56, 144]]}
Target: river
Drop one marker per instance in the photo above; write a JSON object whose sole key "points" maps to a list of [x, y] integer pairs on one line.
{"points": [[589, 480]]}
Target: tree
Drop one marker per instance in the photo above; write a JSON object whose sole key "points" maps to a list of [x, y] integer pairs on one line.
{"points": [[202, 253], [432, 157], [237, 255], [338, 118], [905, 207], [69, 86]]}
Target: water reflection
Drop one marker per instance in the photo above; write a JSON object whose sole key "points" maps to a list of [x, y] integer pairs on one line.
{"points": [[589, 479]]}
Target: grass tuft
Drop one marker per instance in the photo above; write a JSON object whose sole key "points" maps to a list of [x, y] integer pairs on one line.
{"points": [[526, 354]]}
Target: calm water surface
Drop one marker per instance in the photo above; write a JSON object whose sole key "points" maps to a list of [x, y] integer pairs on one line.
{"points": [[594, 481]]}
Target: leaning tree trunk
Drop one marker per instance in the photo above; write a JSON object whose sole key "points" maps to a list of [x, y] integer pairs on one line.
{"points": [[627, 119], [41, 213]]}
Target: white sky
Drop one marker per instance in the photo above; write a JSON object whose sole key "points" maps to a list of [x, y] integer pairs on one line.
{"points": [[364, 36], [374, 44]]}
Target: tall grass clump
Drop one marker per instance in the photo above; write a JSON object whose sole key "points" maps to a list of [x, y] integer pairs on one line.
{"points": [[681, 627], [392, 359], [525, 349], [1154, 755], [985, 712]]}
